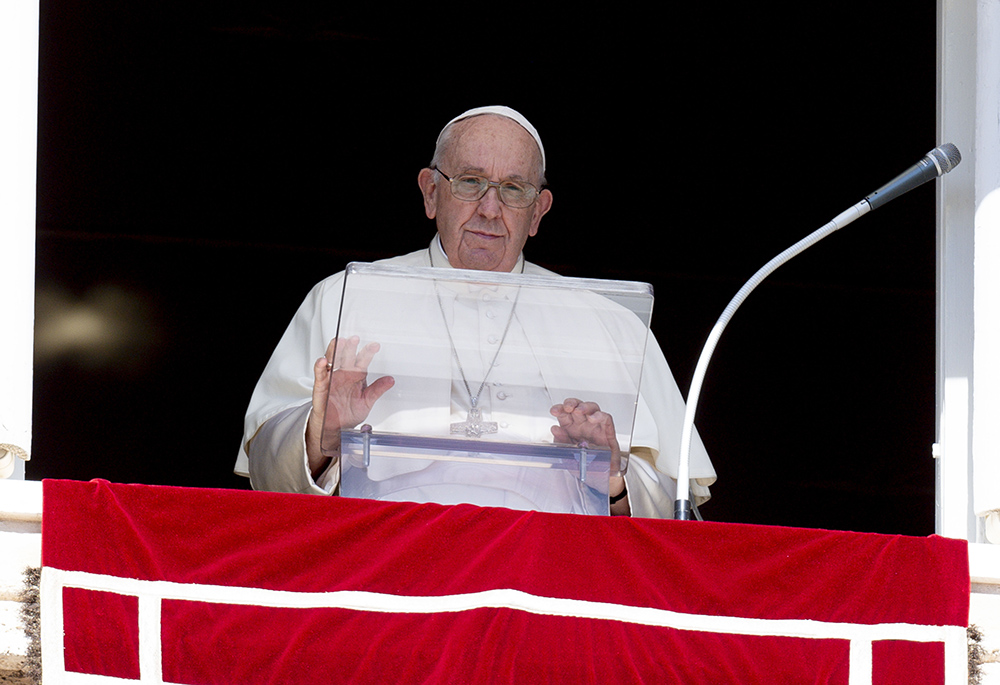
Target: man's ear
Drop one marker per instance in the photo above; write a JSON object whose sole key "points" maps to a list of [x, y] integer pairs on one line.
{"points": [[428, 188], [541, 207]]}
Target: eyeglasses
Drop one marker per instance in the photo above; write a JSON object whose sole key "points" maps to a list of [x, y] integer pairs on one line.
{"points": [[514, 194]]}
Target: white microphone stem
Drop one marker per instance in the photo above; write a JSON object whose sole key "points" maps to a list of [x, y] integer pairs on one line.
{"points": [[682, 506]]}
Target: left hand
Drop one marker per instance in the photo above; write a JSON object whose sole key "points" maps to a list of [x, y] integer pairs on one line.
{"points": [[581, 421]]}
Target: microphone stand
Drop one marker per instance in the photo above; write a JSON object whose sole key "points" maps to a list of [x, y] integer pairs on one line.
{"points": [[682, 505], [935, 163]]}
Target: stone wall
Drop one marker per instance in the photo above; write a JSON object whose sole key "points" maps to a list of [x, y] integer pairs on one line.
{"points": [[21, 545]]}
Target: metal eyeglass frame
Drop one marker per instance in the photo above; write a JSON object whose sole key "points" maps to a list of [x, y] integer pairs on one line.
{"points": [[486, 189]]}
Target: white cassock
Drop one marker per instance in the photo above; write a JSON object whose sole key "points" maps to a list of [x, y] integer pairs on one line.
{"points": [[272, 453]]}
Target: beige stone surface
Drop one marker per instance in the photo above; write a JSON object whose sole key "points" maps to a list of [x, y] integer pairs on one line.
{"points": [[984, 613], [20, 548]]}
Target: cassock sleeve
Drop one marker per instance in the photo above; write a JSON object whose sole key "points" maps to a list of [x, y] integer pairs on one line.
{"points": [[657, 436], [272, 452]]}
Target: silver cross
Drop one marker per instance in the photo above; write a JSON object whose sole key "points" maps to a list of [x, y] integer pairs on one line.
{"points": [[474, 426]]}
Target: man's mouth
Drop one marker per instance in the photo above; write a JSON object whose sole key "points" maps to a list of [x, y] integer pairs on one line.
{"points": [[482, 235]]}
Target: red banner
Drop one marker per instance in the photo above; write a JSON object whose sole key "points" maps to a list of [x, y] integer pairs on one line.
{"points": [[175, 585]]}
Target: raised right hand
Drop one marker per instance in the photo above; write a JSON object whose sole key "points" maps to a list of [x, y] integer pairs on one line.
{"points": [[342, 396]]}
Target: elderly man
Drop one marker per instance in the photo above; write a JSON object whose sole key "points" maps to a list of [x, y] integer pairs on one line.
{"points": [[485, 191]]}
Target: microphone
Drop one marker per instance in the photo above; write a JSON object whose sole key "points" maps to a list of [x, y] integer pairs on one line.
{"points": [[937, 162]]}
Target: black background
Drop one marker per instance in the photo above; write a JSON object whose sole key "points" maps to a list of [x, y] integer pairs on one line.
{"points": [[201, 166]]}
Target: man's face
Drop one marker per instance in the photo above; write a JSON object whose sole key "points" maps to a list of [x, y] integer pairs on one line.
{"points": [[485, 234]]}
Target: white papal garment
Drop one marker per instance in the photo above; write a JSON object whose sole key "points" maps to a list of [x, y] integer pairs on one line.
{"points": [[273, 455]]}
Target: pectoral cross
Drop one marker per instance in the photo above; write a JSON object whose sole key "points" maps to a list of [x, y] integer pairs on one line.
{"points": [[474, 426]]}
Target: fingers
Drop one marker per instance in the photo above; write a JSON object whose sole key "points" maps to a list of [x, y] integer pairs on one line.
{"points": [[314, 425], [377, 389], [579, 421], [364, 358], [573, 411], [571, 405], [321, 383], [559, 434], [331, 348], [342, 396], [343, 353]]}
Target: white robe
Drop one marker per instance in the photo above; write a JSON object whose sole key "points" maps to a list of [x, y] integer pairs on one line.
{"points": [[272, 453]]}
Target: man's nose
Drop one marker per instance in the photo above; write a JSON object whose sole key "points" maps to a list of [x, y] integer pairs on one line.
{"points": [[489, 204]]}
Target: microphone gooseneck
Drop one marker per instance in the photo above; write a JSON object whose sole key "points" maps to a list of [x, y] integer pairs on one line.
{"points": [[937, 162]]}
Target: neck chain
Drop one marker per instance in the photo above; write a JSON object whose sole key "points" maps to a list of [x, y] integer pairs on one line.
{"points": [[474, 426]]}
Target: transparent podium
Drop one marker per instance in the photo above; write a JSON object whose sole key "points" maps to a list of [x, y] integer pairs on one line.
{"points": [[480, 364]]}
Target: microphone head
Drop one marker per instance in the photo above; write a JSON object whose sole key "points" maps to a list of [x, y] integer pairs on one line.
{"points": [[946, 157]]}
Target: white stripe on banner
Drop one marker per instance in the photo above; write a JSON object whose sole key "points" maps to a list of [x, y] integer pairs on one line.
{"points": [[150, 594]]}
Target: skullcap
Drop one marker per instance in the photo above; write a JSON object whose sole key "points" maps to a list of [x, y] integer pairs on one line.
{"points": [[502, 111]]}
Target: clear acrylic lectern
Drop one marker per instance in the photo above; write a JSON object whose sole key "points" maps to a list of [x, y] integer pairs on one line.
{"points": [[478, 361]]}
